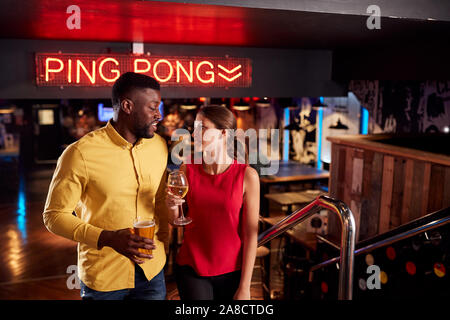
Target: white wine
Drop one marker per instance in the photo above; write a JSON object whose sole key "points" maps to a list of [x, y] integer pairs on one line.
{"points": [[179, 191], [177, 185]]}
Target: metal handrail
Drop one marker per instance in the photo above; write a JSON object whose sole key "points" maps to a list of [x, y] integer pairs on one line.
{"points": [[330, 243], [347, 237], [387, 241]]}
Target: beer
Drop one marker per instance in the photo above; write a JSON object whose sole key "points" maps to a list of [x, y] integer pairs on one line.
{"points": [[146, 229], [179, 191]]}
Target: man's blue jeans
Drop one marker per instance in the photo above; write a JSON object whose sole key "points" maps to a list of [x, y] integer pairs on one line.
{"points": [[154, 289]]}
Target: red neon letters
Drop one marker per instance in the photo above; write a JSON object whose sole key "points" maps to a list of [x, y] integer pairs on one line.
{"points": [[57, 69]]}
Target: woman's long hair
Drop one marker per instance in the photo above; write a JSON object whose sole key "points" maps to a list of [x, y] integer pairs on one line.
{"points": [[223, 118]]}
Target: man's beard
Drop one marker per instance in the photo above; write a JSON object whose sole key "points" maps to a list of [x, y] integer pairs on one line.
{"points": [[142, 131]]}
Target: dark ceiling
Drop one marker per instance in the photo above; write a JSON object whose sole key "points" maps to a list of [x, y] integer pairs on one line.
{"points": [[178, 23]]}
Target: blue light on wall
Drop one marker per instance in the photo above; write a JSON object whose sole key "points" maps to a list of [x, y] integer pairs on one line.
{"points": [[161, 109], [286, 135], [364, 121], [104, 114], [22, 209], [319, 135]]}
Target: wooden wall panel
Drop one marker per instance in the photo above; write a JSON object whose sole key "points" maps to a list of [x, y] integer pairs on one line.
{"points": [[386, 194], [385, 191], [425, 189], [366, 195], [341, 172], [356, 189], [332, 182], [357, 177], [416, 190], [446, 187], [375, 195], [355, 207], [348, 174], [397, 192], [407, 191], [436, 188]]}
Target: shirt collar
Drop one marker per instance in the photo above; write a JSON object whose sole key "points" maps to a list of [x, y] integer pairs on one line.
{"points": [[116, 137]]}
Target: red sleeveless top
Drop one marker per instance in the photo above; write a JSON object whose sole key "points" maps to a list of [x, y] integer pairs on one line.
{"points": [[212, 241]]}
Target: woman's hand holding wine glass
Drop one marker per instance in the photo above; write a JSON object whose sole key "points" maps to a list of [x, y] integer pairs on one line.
{"points": [[177, 188]]}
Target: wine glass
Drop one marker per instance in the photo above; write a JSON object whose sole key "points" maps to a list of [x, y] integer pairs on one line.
{"points": [[178, 186]]}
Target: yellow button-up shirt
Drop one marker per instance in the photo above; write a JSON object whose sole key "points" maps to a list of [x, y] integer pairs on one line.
{"points": [[108, 182]]}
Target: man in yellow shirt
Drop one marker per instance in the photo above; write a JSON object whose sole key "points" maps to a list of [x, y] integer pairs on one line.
{"points": [[108, 178]]}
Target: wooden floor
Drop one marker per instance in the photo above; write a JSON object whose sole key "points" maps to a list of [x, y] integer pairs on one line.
{"points": [[33, 262]]}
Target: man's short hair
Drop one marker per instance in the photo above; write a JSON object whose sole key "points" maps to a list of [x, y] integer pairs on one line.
{"points": [[130, 81]]}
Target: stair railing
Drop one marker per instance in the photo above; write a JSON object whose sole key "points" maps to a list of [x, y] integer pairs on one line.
{"points": [[347, 236]]}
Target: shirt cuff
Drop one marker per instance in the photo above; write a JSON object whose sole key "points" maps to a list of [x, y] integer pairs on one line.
{"points": [[90, 236]]}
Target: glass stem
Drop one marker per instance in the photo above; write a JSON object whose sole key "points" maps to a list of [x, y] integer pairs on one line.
{"points": [[182, 214]]}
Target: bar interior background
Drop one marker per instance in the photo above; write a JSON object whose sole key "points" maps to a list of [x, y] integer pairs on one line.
{"points": [[318, 74]]}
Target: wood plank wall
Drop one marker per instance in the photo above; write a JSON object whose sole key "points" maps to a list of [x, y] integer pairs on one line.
{"points": [[385, 191]]}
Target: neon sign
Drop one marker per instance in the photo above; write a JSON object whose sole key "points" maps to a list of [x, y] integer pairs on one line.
{"points": [[81, 70]]}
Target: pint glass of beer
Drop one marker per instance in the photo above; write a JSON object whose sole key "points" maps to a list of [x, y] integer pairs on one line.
{"points": [[144, 228]]}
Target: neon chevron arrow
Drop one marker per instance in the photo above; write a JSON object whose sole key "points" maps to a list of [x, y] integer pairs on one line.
{"points": [[230, 79], [229, 71]]}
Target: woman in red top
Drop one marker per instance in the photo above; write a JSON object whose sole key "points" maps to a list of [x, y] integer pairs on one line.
{"points": [[218, 253]]}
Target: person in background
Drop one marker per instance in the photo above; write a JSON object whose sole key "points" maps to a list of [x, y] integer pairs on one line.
{"points": [[110, 177], [218, 253]]}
